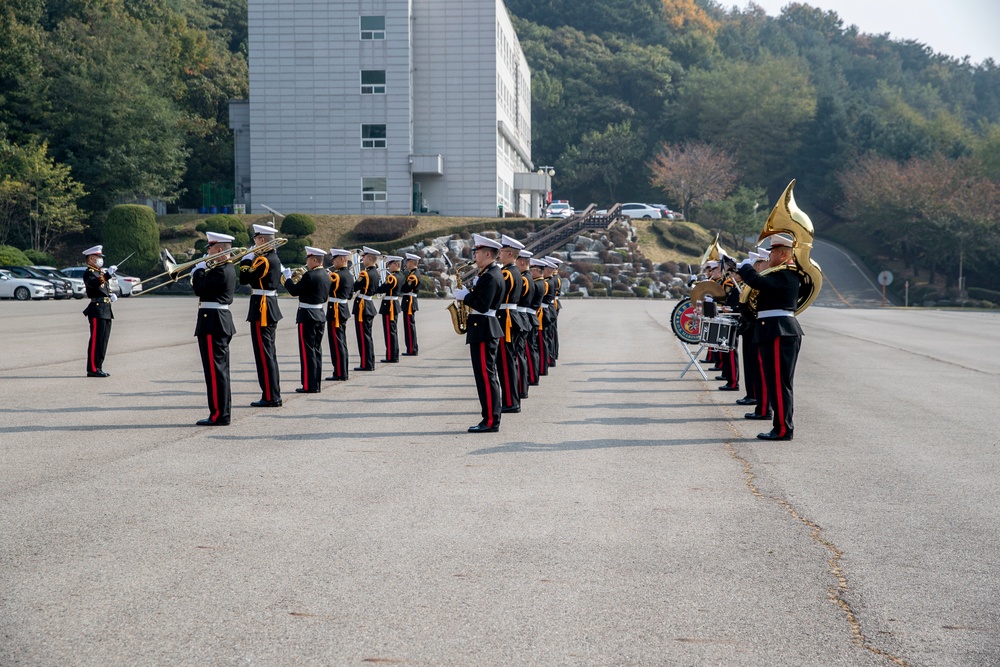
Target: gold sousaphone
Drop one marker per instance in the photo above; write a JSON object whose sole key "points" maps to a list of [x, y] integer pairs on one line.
{"points": [[789, 219]]}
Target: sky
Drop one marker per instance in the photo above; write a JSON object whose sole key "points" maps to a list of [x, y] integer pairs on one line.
{"points": [[956, 28]]}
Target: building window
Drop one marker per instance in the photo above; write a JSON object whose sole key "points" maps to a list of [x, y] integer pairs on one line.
{"points": [[373, 136], [372, 27], [373, 82], [373, 189]]}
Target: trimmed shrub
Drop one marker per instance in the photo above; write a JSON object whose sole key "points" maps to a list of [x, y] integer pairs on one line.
{"points": [[640, 291], [132, 228], [984, 294], [226, 224], [38, 257], [11, 256], [298, 224], [383, 229], [683, 232], [294, 252], [624, 294]]}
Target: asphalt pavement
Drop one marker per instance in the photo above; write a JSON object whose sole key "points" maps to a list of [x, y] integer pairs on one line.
{"points": [[626, 516]]}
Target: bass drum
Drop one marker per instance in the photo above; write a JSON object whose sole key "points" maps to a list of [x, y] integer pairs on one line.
{"points": [[685, 322]]}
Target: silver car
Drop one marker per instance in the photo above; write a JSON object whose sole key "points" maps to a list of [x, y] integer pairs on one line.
{"points": [[120, 284], [79, 289], [22, 289]]}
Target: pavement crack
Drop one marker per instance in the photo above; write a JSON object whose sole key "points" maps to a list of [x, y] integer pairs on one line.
{"points": [[837, 594]]}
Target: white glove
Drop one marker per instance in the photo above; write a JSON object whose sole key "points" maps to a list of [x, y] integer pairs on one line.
{"points": [[200, 266], [461, 293], [112, 270], [287, 273], [475, 280], [745, 262], [114, 297]]}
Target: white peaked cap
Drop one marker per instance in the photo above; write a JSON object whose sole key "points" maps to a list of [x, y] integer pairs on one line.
{"points": [[711, 264], [752, 256], [315, 252], [267, 230], [555, 260], [508, 242], [764, 253], [95, 250], [527, 254], [393, 258], [480, 241], [779, 240], [215, 237], [365, 250], [340, 252], [410, 255], [539, 262]]}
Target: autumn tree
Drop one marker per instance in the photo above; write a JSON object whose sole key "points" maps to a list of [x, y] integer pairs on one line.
{"points": [[693, 173]]}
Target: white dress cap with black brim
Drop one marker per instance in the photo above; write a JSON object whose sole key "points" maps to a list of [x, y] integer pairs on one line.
{"points": [[555, 260], [215, 237], [752, 256], [389, 259], [508, 242], [94, 250], [410, 255], [711, 264], [266, 230], [782, 241], [480, 241], [340, 252], [540, 263], [315, 252], [764, 253], [527, 254], [365, 250]]}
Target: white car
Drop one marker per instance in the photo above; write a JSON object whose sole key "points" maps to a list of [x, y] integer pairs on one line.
{"points": [[634, 210], [120, 284], [559, 209], [22, 289], [79, 289]]}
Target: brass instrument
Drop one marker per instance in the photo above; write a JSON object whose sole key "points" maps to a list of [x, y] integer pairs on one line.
{"points": [[176, 271], [714, 252], [788, 218], [459, 311], [296, 275]]}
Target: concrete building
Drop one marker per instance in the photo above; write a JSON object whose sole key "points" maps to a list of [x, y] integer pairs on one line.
{"points": [[385, 107]]}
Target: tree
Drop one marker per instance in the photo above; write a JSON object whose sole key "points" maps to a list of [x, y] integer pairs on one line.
{"points": [[602, 159], [131, 228], [693, 173]]}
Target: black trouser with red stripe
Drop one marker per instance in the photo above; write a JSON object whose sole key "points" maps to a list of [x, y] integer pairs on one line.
{"points": [[214, 350], [731, 368], [311, 353], [366, 347], [409, 328], [338, 347], [391, 337], [484, 367], [266, 359], [777, 362], [521, 346], [510, 384], [542, 334], [531, 344], [751, 367], [97, 348]]}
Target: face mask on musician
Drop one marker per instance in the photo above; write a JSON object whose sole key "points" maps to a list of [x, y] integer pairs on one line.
{"points": [[99, 262]]}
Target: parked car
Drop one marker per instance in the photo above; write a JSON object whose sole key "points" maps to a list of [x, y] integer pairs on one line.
{"points": [[79, 289], [665, 212], [559, 209], [22, 289], [120, 284], [634, 210], [62, 287]]}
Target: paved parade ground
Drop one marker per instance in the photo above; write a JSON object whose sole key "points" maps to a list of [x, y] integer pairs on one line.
{"points": [[625, 517]]}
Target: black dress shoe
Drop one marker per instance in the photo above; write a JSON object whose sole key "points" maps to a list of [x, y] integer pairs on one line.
{"points": [[266, 404], [359, 368], [726, 387], [212, 422], [754, 415], [721, 377], [511, 410], [389, 361], [334, 378], [771, 435], [524, 396], [98, 374], [300, 390], [483, 428], [409, 354], [746, 400]]}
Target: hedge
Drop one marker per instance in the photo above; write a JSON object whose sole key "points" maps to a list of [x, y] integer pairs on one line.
{"points": [[298, 224], [226, 224], [132, 228], [378, 230], [11, 256], [40, 258]]}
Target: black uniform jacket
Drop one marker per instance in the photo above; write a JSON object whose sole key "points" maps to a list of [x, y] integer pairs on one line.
{"points": [[341, 287], [409, 289], [525, 300], [366, 284], [510, 319], [313, 288], [262, 272], [215, 286], [389, 288], [541, 287], [778, 290], [99, 293], [485, 296]]}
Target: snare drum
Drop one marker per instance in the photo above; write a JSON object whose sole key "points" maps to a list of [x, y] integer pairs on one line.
{"points": [[719, 333]]}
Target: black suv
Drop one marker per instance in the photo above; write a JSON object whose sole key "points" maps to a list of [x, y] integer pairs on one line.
{"points": [[63, 288]]}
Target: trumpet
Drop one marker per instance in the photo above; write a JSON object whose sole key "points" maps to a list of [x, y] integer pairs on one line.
{"points": [[296, 275]]}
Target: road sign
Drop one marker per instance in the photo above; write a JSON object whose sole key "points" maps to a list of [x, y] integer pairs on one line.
{"points": [[885, 278]]}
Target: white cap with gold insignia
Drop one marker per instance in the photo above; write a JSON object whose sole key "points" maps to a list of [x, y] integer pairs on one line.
{"points": [[315, 252], [215, 237], [94, 250], [480, 241]]}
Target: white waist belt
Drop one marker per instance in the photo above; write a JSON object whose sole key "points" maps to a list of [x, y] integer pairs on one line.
{"points": [[522, 309], [211, 305], [775, 313], [390, 298], [311, 306], [508, 306], [488, 313], [365, 297], [333, 300], [264, 292]]}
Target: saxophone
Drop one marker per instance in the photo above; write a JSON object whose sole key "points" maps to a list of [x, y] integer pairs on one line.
{"points": [[789, 218], [459, 311]]}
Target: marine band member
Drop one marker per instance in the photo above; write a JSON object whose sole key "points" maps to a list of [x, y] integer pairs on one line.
{"points": [[777, 332], [96, 280], [408, 304], [389, 308], [262, 272], [556, 307], [536, 338], [364, 308], [512, 323], [338, 313], [484, 332], [313, 290], [527, 291], [215, 287]]}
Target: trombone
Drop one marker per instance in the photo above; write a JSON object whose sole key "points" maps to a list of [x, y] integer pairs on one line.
{"points": [[176, 271]]}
